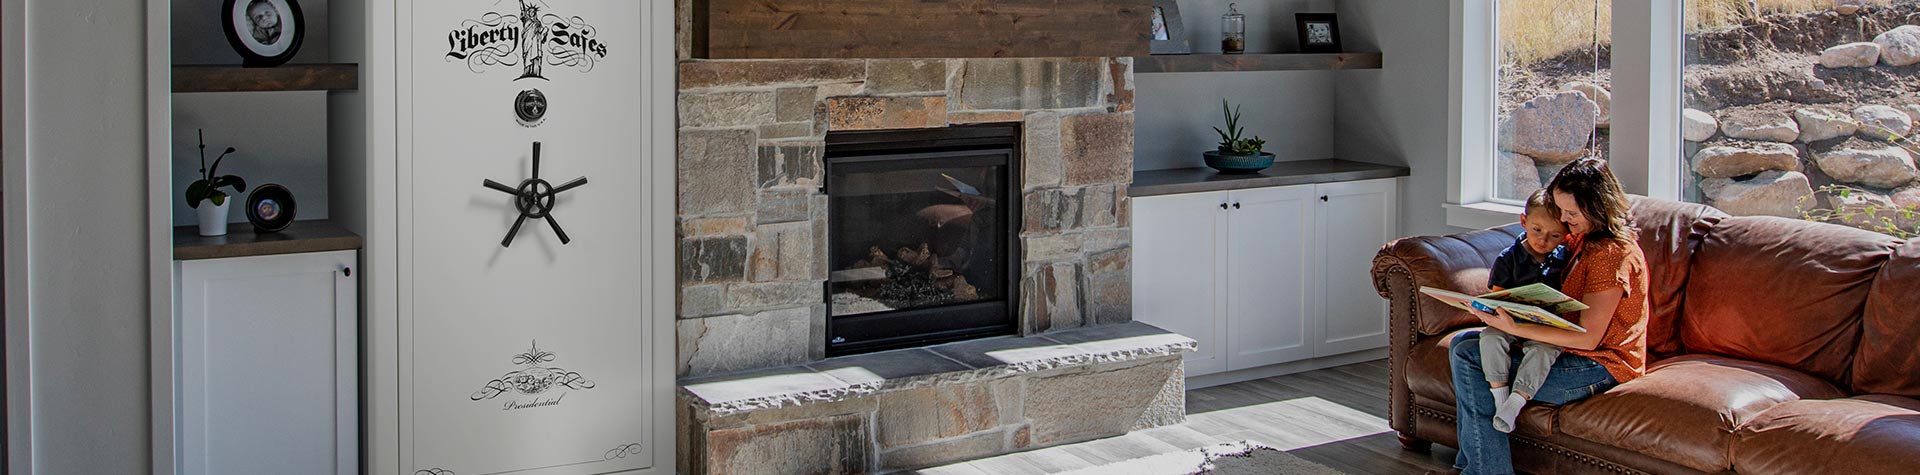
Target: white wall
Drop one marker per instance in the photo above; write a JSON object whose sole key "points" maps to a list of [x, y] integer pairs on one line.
{"points": [[1398, 115], [1175, 112], [86, 160]]}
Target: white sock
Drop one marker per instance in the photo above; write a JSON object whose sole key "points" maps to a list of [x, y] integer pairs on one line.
{"points": [[1510, 409], [1500, 394]]}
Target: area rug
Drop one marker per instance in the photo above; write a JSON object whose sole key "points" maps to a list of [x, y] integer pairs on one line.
{"points": [[1236, 458]]}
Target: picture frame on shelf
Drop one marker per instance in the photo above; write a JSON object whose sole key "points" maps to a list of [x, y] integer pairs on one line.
{"points": [[270, 208], [264, 32], [1319, 32], [1169, 34]]}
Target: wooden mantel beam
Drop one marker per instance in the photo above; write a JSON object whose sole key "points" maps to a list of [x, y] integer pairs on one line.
{"points": [[768, 29]]}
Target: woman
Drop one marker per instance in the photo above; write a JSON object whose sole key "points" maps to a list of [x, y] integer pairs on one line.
{"points": [[1609, 274]]}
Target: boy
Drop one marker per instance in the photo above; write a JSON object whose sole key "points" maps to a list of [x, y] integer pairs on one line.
{"points": [[1537, 256]]}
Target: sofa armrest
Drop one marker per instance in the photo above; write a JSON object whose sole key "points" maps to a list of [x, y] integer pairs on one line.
{"points": [[1457, 262]]}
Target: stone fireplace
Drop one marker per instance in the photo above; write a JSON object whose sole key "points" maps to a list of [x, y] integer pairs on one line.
{"points": [[833, 207], [755, 260]]}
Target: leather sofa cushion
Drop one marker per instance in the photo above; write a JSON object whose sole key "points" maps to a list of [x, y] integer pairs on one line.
{"points": [[1865, 435], [1886, 362], [1669, 232], [1782, 291], [1430, 374], [1686, 408], [1457, 262]]}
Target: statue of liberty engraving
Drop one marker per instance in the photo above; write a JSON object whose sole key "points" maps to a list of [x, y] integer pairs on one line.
{"points": [[533, 36]]}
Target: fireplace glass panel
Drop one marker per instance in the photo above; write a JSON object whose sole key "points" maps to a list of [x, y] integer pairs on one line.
{"points": [[922, 229], [917, 233]]}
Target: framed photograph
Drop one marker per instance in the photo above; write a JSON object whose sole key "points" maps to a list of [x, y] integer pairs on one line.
{"points": [[1319, 32], [1169, 34], [264, 32], [270, 208]]}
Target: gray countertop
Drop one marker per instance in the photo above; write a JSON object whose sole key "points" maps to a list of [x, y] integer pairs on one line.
{"points": [[1196, 180], [242, 241]]}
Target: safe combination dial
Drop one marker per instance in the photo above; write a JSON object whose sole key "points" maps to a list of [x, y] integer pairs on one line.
{"points": [[534, 198]]}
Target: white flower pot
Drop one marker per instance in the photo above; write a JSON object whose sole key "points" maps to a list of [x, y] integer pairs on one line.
{"points": [[213, 219]]}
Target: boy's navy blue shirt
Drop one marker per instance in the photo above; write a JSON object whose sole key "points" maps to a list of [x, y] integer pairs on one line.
{"points": [[1515, 267]]}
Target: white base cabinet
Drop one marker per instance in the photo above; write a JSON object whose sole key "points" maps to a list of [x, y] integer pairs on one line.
{"points": [[1264, 276], [267, 360]]}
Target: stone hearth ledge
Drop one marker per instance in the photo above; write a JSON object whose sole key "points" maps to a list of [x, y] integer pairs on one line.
{"points": [[852, 377]]}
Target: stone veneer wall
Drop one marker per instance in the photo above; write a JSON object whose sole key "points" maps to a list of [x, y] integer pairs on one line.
{"points": [[752, 214]]}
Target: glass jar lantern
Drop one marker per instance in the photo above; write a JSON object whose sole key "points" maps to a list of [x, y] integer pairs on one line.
{"points": [[1233, 31]]}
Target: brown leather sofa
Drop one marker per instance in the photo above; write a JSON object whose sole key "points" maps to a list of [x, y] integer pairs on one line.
{"points": [[1777, 346]]}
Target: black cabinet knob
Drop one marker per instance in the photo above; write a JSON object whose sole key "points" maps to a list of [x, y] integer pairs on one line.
{"points": [[1236, 205], [1323, 198], [346, 271], [1223, 206]]}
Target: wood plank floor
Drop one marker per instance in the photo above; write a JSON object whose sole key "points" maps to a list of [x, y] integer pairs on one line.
{"points": [[1335, 417]]}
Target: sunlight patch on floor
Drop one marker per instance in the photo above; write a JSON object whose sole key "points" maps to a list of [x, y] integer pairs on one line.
{"points": [[1286, 425]]}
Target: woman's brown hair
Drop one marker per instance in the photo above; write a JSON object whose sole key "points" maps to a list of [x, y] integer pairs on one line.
{"points": [[1592, 185]]}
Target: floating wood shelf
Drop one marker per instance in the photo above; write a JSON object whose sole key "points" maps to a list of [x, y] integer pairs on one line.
{"points": [[1194, 63], [853, 29], [240, 241], [289, 77]]}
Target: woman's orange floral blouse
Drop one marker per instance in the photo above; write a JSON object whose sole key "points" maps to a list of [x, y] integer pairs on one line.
{"points": [[1603, 264]]}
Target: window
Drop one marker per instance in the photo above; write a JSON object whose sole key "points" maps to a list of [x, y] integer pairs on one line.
{"points": [[1551, 91], [1796, 108]]}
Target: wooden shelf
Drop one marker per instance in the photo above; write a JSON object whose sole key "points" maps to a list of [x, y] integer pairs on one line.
{"points": [[288, 77], [242, 241], [859, 29], [1194, 63]]}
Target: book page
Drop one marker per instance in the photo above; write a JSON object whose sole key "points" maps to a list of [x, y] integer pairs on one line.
{"points": [[1521, 312], [1539, 295]]}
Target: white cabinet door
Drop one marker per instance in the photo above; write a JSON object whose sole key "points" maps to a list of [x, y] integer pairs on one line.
{"points": [[1270, 302], [1354, 220], [268, 365], [1177, 242], [536, 358]]}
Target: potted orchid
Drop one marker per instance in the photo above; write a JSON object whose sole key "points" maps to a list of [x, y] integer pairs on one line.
{"points": [[207, 189]]}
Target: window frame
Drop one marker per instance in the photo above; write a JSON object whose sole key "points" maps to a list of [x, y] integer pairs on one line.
{"points": [[1648, 55]]}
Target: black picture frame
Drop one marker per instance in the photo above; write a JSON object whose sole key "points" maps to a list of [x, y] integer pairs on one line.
{"points": [[263, 46], [1169, 34], [1319, 32], [270, 208]]}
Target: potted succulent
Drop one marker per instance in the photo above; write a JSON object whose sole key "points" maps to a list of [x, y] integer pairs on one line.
{"points": [[1237, 153], [213, 216]]}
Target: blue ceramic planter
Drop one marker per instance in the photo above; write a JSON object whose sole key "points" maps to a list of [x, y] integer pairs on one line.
{"points": [[1236, 163]]}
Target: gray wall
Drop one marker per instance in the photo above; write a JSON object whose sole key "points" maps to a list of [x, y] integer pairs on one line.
{"points": [[1175, 112], [282, 136], [198, 39], [1398, 115], [86, 119]]}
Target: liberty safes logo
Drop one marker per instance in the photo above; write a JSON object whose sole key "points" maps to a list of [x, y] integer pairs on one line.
{"points": [[532, 40]]}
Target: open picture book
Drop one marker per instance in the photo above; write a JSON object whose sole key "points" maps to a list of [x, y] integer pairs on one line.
{"points": [[1533, 303]]}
